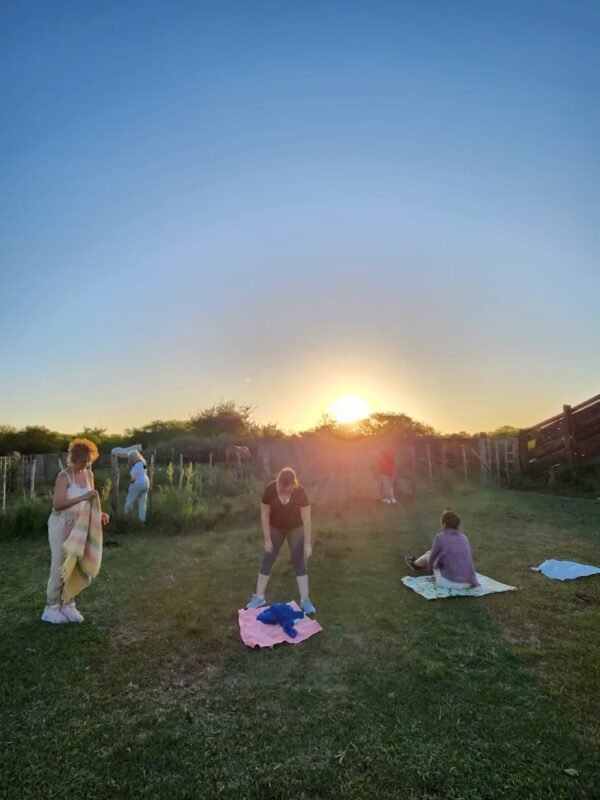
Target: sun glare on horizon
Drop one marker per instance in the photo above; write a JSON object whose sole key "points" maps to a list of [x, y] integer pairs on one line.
{"points": [[349, 408]]}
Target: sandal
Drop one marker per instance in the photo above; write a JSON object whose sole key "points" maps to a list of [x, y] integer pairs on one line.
{"points": [[410, 562]]}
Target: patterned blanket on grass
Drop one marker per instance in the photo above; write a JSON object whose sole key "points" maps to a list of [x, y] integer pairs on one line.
{"points": [[426, 586]]}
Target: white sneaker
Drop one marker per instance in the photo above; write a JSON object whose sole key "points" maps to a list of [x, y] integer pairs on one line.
{"points": [[387, 500], [70, 612], [54, 615], [393, 500], [256, 601]]}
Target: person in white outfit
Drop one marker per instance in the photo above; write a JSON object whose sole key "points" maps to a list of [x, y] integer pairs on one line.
{"points": [[74, 486], [138, 486]]}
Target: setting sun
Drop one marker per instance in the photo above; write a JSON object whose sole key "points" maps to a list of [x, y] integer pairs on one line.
{"points": [[350, 409]]}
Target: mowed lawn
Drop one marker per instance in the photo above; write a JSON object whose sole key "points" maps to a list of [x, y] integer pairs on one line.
{"points": [[154, 696]]}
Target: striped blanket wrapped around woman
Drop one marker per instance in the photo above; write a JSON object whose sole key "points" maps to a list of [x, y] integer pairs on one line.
{"points": [[83, 551]]}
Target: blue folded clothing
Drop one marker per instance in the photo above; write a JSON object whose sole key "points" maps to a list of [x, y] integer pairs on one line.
{"points": [[281, 614], [566, 570]]}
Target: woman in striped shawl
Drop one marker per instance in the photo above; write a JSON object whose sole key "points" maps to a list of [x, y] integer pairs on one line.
{"points": [[76, 516]]}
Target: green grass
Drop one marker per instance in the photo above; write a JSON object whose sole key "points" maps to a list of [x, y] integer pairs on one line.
{"points": [[156, 697]]}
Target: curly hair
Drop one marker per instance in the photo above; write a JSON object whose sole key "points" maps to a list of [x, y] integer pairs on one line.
{"points": [[82, 448]]}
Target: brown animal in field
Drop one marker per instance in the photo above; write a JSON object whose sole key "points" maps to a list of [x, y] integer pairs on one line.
{"points": [[238, 455]]}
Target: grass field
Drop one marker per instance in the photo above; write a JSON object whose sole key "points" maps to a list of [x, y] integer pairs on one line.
{"points": [[154, 696]]}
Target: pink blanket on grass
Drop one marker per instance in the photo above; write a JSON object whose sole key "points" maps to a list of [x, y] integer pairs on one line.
{"points": [[259, 634]]}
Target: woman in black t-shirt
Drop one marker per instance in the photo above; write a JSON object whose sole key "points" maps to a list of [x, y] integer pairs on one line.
{"points": [[285, 514]]}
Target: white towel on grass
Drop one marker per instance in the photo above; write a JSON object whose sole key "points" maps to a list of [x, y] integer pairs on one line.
{"points": [[566, 570]]}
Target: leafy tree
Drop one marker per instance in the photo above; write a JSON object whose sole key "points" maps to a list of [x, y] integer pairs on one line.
{"points": [[326, 424], [225, 418], [8, 438], [95, 435], [270, 431], [393, 423], [37, 439], [156, 431], [505, 430], [378, 423]]}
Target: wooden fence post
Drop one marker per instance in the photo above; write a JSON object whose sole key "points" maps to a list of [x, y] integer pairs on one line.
{"points": [[483, 459], [465, 462], [516, 463], [524, 452], [4, 466], [506, 462], [181, 470], [21, 474], [267, 461], [32, 479], [569, 439], [497, 448], [114, 491], [429, 464]]}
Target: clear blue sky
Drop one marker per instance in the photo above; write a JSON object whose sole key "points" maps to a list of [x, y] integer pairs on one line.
{"points": [[282, 202]]}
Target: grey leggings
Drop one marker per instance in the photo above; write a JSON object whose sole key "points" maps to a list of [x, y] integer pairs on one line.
{"points": [[295, 540]]}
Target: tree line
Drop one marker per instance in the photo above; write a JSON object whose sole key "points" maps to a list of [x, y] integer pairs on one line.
{"points": [[224, 422]]}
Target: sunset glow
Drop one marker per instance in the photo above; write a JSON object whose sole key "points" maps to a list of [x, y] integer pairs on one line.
{"points": [[350, 408], [298, 242]]}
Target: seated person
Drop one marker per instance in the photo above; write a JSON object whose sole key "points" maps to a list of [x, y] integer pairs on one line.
{"points": [[449, 559]]}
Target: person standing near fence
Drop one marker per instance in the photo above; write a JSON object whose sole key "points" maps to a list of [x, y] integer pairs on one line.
{"points": [[74, 488], [285, 515], [138, 486], [386, 467]]}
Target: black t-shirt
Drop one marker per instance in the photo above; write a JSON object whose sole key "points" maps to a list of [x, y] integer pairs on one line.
{"points": [[285, 517]]}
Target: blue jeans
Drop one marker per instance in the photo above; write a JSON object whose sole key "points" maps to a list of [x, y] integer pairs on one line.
{"points": [[137, 492]]}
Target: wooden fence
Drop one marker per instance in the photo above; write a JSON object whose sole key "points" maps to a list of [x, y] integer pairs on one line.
{"points": [[349, 467], [571, 438], [22, 474], [337, 467]]}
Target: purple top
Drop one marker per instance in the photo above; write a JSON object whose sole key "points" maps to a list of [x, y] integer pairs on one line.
{"points": [[451, 554]]}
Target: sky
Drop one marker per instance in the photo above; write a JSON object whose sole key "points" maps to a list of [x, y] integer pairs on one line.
{"points": [[280, 203]]}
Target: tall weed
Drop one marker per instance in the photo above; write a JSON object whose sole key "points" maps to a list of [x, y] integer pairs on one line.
{"points": [[26, 518]]}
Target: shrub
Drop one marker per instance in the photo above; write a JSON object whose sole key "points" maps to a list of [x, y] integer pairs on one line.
{"points": [[174, 511], [170, 473], [208, 497], [26, 518], [105, 493]]}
